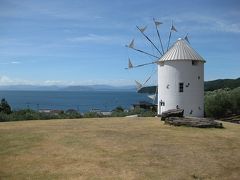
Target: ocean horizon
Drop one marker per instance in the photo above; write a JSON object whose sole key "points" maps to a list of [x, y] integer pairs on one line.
{"points": [[82, 101]]}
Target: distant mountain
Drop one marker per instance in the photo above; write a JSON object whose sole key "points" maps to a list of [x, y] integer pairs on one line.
{"points": [[67, 88], [209, 86], [221, 83], [76, 88], [98, 88]]}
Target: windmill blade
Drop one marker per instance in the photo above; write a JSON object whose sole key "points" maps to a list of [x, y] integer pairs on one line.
{"points": [[138, 85], [147, 80], [157, 23], [140, 65], [149, 77], [149, 40], [131, 45], [173, 29], [148, 90], [130, 64], [145, 53], [143, 29], [186, 38], [169, 38], [152, 96], [141, 51]]}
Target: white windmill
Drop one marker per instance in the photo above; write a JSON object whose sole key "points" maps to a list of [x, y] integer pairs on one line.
{"points": [[180, 75]]}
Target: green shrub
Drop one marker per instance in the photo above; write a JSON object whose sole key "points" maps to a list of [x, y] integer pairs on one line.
{"points": [[139, 111], [235, 99], [119, 114], [92, 115], [72, 113], [4, 117], [148, 113], [118, 109], [222, 102]]}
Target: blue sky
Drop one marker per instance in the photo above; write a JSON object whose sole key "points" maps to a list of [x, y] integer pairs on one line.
{"points": [[81, 42]]}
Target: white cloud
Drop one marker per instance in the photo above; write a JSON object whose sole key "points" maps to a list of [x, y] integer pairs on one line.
{"points": [[102, 39], [15, 62], [228, 27], [9, 63], [5, 80], [197, 22]]}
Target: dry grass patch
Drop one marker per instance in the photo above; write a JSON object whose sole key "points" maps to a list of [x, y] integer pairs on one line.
{"points": [[117, 148]]}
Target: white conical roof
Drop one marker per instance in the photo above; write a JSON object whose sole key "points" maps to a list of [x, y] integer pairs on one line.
{"points": [[181, 50]]}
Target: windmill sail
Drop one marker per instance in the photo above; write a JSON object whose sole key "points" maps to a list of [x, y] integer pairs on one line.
{"points": [[152, 96], [138, 85], [130, 64], [149, 40], [157, 23], [143, 29], [173, 28], [148, 90], [186, 38], [131, 45]]}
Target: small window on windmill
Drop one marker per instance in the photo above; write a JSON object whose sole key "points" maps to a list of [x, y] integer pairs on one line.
{"points": [[181, 85], [198, 77], [194, 63]]}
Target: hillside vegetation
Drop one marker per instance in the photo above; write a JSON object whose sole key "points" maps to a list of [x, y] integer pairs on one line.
{"points": [[221, 84], [117, 148]]}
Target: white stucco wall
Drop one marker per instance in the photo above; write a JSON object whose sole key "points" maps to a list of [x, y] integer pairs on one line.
{"points": [[171, 74]]}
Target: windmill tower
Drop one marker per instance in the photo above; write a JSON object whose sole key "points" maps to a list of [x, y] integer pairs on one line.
{"points": [[181, 80], [180, 75]]}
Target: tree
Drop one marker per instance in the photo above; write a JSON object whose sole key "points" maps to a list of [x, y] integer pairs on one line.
{"points": [[118, 109], [5, 107], [235, 99], [218, 103]]}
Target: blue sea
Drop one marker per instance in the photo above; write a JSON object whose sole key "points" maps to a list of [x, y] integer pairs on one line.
{"points": [[63, 100]]}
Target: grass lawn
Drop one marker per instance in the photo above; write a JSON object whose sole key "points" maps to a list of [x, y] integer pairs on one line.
{"points": [[117, 148]]}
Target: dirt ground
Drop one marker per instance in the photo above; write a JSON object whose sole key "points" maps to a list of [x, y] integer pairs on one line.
{"points": [[117, 148]]}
